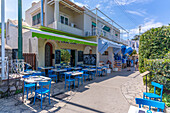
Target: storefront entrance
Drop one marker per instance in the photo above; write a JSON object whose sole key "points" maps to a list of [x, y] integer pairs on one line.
{"points": [[48, 54]]}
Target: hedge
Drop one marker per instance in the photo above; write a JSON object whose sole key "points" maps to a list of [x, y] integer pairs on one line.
{"points": [[154, 44], [160, 73]]}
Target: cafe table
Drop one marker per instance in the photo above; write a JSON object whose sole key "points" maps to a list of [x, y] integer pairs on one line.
{"points": [[58, 73], [134, 109], [75, 68], [46, 70], [33, 79], [88, 69], [74, 73]]}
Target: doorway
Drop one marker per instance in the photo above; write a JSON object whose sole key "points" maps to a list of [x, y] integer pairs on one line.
{"points": [[73, 58], [48, 54]]}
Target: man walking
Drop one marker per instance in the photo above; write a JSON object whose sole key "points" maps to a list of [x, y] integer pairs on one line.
{"points": [[128, 64], [136, 64]]}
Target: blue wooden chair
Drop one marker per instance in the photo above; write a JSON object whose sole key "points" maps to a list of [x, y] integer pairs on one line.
{"points": [[79, 77], [157, 104], [99, 71], [39, 68], [52, 75], [58, 66], [69, 80], [42, 93], [85, 75], [50, 72], [28, 87], [93, 74], [154, 95]]}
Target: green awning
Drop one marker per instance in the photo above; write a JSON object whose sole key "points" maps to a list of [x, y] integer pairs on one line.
{"points": [[94, 24], [54, 36], [106, 28]]}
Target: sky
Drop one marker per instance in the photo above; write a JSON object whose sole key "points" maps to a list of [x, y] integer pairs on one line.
{"points": [[130, 14]]}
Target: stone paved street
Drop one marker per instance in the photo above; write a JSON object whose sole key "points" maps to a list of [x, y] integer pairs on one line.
{"points": [[109, 94]]}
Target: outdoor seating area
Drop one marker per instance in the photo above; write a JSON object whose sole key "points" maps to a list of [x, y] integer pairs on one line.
{"points": [[72, 77]]}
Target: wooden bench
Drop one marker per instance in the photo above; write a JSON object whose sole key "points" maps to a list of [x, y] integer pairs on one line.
{"points": [[145, 74]]}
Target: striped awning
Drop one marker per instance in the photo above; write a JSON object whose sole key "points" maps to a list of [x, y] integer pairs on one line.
{"points": [[55, 36]]}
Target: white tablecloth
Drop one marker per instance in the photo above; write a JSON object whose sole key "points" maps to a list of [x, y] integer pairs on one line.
{"points": [[134, 109]]}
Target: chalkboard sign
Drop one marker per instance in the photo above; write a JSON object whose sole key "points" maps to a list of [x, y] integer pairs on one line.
{"points": [[90, 59], [57, 56], [80, 56]]}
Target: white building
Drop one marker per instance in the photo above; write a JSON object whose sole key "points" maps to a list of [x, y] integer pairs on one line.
{"points": [[53, 25]]}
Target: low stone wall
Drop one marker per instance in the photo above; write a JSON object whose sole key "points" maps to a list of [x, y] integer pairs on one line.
{"points": [[10, 87]]}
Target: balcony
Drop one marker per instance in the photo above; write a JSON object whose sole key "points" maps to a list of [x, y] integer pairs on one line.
{"points": [[67, 28], [107, 35]]}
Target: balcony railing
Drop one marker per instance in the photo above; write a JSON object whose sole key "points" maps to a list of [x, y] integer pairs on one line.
{"points": [[66, 28], [106, 34]]}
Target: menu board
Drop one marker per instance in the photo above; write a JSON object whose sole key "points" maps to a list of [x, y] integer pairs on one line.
{"points": [[80, 56], [90, 59], [57, 56]]}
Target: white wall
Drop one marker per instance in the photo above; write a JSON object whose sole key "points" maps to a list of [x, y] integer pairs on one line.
{"points": [[32, 11]]}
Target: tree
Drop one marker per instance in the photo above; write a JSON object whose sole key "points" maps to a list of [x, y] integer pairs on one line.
{"points": [[65, 56]]}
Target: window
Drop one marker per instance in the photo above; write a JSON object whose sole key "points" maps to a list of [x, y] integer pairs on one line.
{"points": [[64, 20], [36, 19], [80, 56]]}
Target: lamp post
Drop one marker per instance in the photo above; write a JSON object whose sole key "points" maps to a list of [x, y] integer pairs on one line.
{"points": [[3, 37], [20, 29]]}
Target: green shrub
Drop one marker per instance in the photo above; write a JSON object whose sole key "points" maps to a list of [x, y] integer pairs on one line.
{"points": [[159, 71], [154, 44]]}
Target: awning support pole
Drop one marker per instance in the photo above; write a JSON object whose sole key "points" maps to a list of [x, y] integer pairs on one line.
{"points": [[3, 37], [20, 29]]}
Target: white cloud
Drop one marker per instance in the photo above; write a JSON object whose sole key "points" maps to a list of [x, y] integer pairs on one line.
{"points": [[79, 4], [127, 2], [135, 12], [148, 24], [98, 6]]}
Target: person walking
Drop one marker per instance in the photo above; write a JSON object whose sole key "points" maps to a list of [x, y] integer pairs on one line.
{"points": [[136, 64], [128, 64]]}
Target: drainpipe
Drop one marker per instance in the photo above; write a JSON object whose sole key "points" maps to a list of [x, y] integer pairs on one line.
{"points": [[20, 29], [42, 14], [3, 37]]}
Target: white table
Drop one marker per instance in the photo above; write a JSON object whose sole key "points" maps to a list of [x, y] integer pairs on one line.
{"points": [[86, 69], [29, 72], [33, 79], [58, 71], [46, 69], [134, 109], [36, 79], [75, 68], [74, 73]]}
